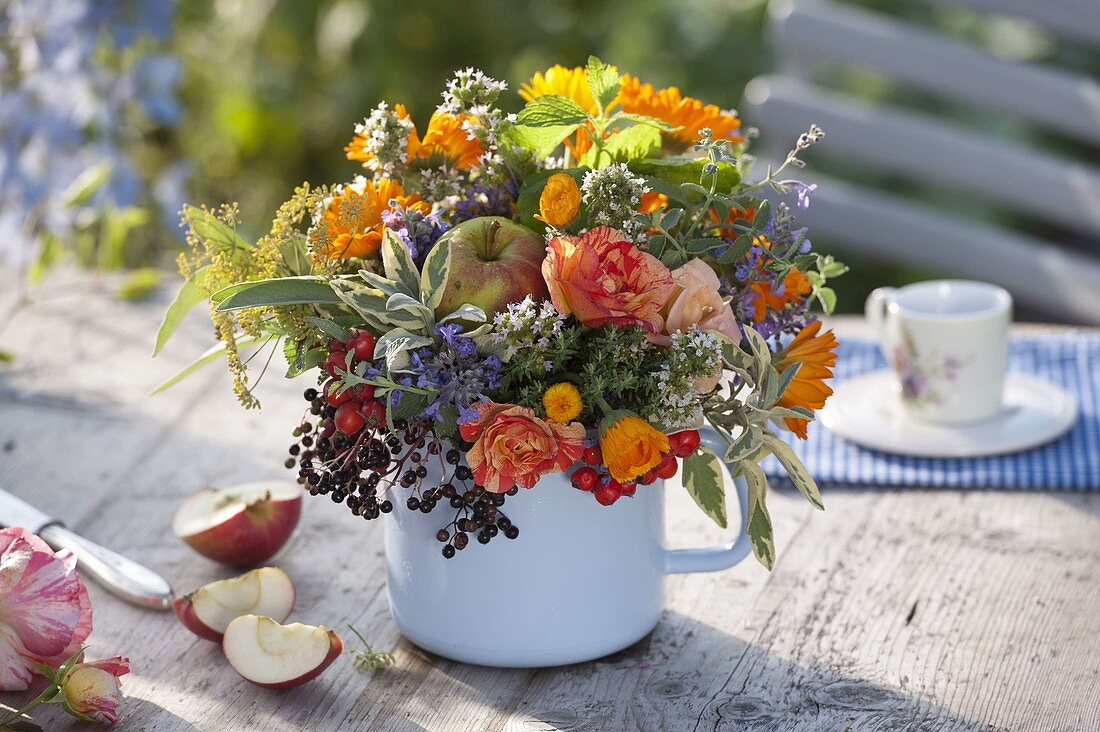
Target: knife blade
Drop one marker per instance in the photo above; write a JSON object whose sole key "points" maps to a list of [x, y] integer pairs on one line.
{"points": [[122, 577]]}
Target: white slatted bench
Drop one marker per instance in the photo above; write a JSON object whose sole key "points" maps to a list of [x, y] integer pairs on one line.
{"points": [[1059, 279]]}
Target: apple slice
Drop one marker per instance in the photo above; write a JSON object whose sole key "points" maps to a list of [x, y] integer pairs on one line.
{"points": [[241, 525], [208, 610], [278, 656]]}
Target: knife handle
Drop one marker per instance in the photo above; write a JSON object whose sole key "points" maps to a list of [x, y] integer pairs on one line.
{"points": [[121, 576]]}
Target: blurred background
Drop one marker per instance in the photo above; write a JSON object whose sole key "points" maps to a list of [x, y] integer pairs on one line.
{"points": [[115, 112]]}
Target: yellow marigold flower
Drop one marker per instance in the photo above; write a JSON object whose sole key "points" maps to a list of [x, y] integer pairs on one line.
{"points": [[560, 200], [562, 402], [351, 224], [562, 81], [687, 113], [630, 445]]}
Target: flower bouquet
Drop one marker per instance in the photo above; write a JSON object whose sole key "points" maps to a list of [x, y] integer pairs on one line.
{"points": [[500, 302]]}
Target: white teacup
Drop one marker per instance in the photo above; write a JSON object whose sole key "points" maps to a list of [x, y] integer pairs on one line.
{"points": [[947, 341]]}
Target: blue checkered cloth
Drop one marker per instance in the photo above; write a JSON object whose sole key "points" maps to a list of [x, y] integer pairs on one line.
{"points": [[1070, 359]]}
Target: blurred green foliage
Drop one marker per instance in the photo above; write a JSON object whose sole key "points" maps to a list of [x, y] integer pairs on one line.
{"points": [[272, 90]]}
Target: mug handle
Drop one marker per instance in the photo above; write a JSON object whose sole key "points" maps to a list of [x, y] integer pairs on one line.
{"points": [[712, 559], [875, 312]]}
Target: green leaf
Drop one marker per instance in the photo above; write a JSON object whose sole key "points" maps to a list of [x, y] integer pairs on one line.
{"points": [[758, 523], [6, 357], [85, 185], [552, 110], [295, 255], [212, 354], [737, 250], [193, 291], [433, 278], [279, 291], [398, 263], [630, 143], [328, 327], [139, 284], [703, 244], [603, 81], [763, 216], [410, 405], [207, 226], [540, 140], [643, 119], [703, 480], [828, 299], [801, 477], [678, 170], [300, 361]]}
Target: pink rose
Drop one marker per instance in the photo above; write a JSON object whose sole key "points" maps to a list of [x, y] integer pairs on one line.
{"points": [[92, 691], [512, 446], [602, 277], [45, 613]]}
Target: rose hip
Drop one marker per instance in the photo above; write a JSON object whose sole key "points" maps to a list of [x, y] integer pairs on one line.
{"points": [[585, 479], [609, 492], [336, 362], [347, 419], [333, 394], [629, 488], [667, 467], [593, 455], [362, 343], [373, 412], [684, 443]]}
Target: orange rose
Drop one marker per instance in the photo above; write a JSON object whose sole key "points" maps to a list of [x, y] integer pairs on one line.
{"points": [[696, 302], [513, 447], [602, 277]]}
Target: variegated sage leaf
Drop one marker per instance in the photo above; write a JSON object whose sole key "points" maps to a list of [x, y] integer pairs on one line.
{"points": [[433, 279], [760, 351], [398, 262], [703, 480], [380, 282], [402, 303], [467, 312], [395, 345], [795, 469], [367, 301], [758, 523], [745, 445]]}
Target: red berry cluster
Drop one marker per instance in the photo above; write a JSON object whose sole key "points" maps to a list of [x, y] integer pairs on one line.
{"points": [[594, 477], [355, 406]]}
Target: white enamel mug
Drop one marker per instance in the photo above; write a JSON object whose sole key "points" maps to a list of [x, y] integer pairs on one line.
{"points": [[947, 341], [580, 582]]}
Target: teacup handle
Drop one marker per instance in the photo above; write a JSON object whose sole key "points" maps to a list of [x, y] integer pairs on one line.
{"points": [[712, 559], [875, 311]]}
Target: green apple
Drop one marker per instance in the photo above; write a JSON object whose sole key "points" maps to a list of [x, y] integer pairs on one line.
{"points": [[494, 261]]}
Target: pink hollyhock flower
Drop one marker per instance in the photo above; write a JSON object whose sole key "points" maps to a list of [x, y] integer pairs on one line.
{"points": [[602, 277], [92, 690], [512, 446], [45, 612]]}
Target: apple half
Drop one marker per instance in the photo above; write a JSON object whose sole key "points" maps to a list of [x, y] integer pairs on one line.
{"points": [[240, 525], [209, 610], [279, 656]]}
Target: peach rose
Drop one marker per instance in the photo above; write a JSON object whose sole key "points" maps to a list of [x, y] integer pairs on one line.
{"points": [[602, 277], [512, 446], [696, 302]]}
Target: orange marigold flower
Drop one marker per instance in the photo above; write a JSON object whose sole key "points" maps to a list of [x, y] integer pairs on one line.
{"points": [[796, 285], [350, 224], [817, 354], [562, 402], [690, 115], [652, 201], [630, 445], [444, 142], [560, 200]]}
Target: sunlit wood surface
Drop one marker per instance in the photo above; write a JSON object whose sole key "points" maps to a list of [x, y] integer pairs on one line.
{"points": [[898, 610]]}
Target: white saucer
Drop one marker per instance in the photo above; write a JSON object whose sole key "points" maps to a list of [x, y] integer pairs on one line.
{"points": [[868, 411]]}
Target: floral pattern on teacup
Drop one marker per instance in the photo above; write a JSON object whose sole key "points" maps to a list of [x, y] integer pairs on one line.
{"points": [[923, 377]]}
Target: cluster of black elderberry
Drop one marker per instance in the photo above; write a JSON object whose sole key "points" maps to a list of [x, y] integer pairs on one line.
{"points": [[365, 469]]}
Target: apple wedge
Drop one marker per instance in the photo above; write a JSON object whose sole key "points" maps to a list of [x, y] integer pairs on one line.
{"points": [[278, 656], [208, 610], [241, 525]]}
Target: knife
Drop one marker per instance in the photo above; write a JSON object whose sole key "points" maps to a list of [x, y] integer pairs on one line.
{"points": [[121, 576]]}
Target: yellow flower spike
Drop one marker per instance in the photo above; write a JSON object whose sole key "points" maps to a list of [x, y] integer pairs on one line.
{"points": [[560, 200], [562, 402], [630, 445]]}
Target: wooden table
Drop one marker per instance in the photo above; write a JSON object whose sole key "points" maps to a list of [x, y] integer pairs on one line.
{"points": [[900, 610]]}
